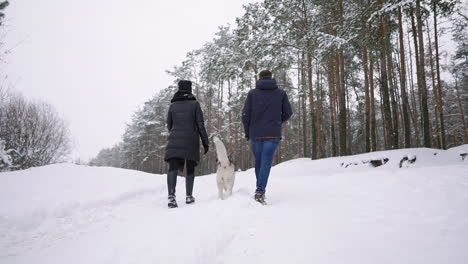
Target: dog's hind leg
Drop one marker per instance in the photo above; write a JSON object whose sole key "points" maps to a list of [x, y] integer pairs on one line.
{"points": [[229, 192], [230, 181], [221, 189], [229, 186]]}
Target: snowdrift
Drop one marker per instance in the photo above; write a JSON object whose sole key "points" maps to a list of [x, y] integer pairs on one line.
{"points": [[335, 210]]}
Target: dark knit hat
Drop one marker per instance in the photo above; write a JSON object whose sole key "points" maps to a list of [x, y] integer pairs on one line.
{"points": [[185, 85]]}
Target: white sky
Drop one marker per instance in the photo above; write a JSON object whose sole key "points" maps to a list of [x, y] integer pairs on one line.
{"points": [[96, 61]]}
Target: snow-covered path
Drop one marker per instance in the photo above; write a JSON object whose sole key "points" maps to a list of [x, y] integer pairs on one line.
{"points": [[318, 212]]}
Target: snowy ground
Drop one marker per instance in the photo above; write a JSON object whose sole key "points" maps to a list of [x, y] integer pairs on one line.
{"points": [[318, 212]]}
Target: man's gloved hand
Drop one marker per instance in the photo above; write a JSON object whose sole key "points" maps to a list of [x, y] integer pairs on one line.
{"points": [[247, 138], [206, 147]]}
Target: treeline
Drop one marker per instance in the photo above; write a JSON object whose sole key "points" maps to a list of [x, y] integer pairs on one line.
{"points": [[362, 76], [31, 133]]}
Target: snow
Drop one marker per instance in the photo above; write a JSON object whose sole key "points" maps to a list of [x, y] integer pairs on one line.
{"points": [[318, 212]]}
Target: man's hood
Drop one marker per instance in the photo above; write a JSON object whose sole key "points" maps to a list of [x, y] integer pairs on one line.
{"points": [[266, 83]]}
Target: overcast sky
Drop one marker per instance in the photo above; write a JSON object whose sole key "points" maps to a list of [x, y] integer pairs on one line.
{"points": [[96, 61]]}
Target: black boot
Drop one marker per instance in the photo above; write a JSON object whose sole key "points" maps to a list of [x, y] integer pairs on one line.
{"points": [[171, 182], [260, 197], [171, 187], [189, 180], [189, 199], [172, 203]]}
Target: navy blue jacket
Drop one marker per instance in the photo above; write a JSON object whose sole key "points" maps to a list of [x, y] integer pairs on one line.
{"points": [[265, 109]]}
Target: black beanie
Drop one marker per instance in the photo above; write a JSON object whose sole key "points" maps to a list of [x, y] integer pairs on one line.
{"points": [[185, 85]]}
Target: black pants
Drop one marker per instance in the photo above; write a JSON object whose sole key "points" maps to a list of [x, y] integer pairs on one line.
{"points": [[174, 166]]}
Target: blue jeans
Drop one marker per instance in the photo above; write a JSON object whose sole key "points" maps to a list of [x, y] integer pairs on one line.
{"points": [[263, 150]]}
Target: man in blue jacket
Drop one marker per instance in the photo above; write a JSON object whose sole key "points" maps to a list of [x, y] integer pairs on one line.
{"points": [[265, 110]]}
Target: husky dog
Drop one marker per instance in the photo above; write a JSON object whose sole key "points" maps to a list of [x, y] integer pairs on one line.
{"points": [[225, 173]]}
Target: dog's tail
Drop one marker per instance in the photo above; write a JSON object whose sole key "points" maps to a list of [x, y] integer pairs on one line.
{"points": [[221, 151]]}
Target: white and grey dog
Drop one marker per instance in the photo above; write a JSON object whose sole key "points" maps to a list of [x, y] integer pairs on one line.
{"points": [[225, 174]]}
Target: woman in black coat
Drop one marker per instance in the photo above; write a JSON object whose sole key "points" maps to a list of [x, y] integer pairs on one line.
{"points": [[186, 125]]}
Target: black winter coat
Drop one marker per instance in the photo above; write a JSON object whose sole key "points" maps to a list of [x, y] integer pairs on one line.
{"points": [[186, 125]]}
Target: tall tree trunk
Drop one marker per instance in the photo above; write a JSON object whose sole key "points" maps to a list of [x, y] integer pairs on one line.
{"points": [[285, 127], [382, 115], [304, 126], [397, 67], [286, 141], [462, 111], [304, 110], [236, 143], [349, 136], [392, 90], [312, 106], [220, 103], [331, 94], [434, 90], [387, 116], [230, 135], [404, 96], [342, 113], [424, 107], [342, 92], [320, 152], [367, 100], [418, 72], [373, 121], [299, 103], [414, 117], [209, 119], [439, 85]]}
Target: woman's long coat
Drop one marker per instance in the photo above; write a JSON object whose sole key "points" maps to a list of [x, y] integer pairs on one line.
{"points": [[186, 127]]}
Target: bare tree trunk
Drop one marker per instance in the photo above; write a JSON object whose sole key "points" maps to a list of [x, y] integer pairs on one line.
{"points": [[331, 94], [418, 72], [342, 93], [434, 90], [320, 152], [373, 121], [387, 116], [312, 106], [396, 69], [367, 101], [304, 108], [220, 103], [382, 110], [393, 101], [349, 135], [405, 104], [230, 135], [413, 96], [462, 112], [285, 127], [439, 85], [424, 108], [286, 141], [209, 120], [299, 103], [340, 96]]}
